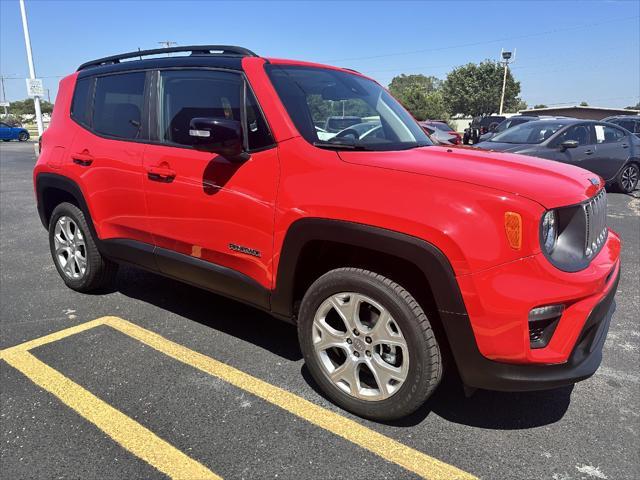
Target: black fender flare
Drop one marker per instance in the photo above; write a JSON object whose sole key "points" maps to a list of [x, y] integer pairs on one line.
{"points": [[427, 257]]}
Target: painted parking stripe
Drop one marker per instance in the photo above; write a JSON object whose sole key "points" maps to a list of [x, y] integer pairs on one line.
{"points": [[383, 446], [127, 432]]}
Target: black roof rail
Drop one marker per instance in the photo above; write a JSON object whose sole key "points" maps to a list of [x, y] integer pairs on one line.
{"points": [[194, 49]]}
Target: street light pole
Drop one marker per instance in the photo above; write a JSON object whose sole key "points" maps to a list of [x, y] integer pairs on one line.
{"points": [[32, 71], [506, 56]]}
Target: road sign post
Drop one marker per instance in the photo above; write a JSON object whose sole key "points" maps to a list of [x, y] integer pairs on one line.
{"points": [[32, 81]]}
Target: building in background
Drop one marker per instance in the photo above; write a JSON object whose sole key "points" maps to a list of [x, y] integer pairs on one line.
{"points": [[578, 111]]}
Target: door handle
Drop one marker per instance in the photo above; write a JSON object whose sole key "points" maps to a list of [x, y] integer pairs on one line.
{"points": [[83, 159], [161, 174], [588, 152], [625, 145]]}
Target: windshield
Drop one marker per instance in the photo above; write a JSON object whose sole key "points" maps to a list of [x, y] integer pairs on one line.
{"points": [[530, 133], [510, 122], [336, 109]]}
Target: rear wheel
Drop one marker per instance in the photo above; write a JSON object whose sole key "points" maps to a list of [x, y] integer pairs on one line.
{"points": [[628, 178], [74, 251], [23, 136], [368, 344]]}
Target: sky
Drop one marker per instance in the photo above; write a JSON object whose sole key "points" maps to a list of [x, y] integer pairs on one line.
{"points": [[566, 51]]}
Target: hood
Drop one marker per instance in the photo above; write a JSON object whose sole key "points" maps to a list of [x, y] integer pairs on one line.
{"points": [[551, 184]]}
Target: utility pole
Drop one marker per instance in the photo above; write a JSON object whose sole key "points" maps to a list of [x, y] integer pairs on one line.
{"points": [[506, 58], [168, 44], [4, 95], [32, 71]]}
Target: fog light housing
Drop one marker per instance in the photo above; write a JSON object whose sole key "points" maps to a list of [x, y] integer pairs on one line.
{"points": [[542, 323]]}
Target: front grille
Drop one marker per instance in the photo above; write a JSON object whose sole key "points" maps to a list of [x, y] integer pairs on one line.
{"points": [[595, 212]]}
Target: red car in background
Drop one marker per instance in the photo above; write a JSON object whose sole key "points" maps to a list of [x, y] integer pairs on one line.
{"points": [[441, 132]]}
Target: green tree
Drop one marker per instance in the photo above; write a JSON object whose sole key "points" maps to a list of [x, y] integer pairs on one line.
{"points": [[584, 104], [540, 105], [420, 95], [633, 107], [475, 89], [519, 105], [26, 107]]}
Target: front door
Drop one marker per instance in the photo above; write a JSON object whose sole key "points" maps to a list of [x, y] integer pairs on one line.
{"points": [[208, 215]]}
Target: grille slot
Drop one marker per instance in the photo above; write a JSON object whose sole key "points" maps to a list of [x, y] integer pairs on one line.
{"points": [[595, 213]]}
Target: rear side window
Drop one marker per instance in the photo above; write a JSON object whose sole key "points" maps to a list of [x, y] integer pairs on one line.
{"points": [[607, 134], [81, 104], [118, 104]]}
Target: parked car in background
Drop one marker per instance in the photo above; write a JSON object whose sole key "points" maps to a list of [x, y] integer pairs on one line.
{"points": [[479, 126], [336, 124], [512, 122], [8, 132], [441, 132], [603, 148], [630, 122]]}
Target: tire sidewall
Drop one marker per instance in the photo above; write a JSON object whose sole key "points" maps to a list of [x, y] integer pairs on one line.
{"points": [[414, 390], [76, 215]]}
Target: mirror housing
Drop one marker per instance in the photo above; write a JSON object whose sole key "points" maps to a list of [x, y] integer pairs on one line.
{"points": [[568, 144], [218, 135]]}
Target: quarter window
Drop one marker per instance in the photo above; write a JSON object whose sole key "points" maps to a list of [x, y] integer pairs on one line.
{"points": [[81, 104], [118, 104]]}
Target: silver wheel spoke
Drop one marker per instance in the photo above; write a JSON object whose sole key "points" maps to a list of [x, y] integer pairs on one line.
{"points": [[347, 372], [385, 374], [347, 308], [326, 337]]}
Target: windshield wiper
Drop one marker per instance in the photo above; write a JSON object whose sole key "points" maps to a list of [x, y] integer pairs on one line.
{"points": [[340, 146]]}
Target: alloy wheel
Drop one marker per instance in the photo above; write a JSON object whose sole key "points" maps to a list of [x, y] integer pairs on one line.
{"points": [[360, 346], [629, 178], [70, 248]]}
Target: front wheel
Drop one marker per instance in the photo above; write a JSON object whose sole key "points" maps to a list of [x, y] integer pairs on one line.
{"points": [[23, 137], [368, 344], [628, 178]]}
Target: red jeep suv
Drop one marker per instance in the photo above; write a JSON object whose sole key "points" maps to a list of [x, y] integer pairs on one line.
{"points": [[390, 254]]}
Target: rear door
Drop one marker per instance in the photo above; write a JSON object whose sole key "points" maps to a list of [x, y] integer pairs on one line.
{"points": [[612, 150], [211, 219], [107, 150]]}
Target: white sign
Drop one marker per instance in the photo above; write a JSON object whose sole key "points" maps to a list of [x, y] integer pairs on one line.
{"points": [[35, 88], [4, 104]]}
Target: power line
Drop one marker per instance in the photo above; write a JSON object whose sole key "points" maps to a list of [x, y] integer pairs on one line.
{"points": [[485, 42]]}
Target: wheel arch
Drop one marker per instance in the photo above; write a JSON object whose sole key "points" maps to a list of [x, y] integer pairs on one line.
{"points": [[53, 189], [306, 238]]}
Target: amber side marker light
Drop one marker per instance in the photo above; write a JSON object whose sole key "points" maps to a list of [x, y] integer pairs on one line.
{"points": [[513, 229]]}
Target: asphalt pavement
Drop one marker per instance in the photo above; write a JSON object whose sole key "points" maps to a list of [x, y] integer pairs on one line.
{"points": [[215, 386]]}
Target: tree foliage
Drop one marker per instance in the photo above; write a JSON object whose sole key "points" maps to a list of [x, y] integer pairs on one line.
{"points": [[584, 104], [633, 107], [26, 107], [540, 105], [420, 95], [475, 89], [518, 106]]}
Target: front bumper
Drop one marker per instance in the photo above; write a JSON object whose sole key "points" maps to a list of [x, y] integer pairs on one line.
{"points": [[491, 343], [479, 372]]}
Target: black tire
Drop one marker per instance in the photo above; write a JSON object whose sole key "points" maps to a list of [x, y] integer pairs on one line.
{"points": [[465, 139], [99, 270], [425, 362], [23, 136], [627, 180], [6, 140]]}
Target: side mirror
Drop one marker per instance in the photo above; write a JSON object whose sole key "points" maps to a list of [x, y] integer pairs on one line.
{"points": [[568, 144], [218, 135]]}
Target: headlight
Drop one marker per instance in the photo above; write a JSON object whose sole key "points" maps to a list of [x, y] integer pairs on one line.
{"points": [[549, 231], [570, 237]]}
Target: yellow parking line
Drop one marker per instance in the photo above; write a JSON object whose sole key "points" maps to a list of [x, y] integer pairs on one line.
{"points": [[125, 431], [385, 447]]}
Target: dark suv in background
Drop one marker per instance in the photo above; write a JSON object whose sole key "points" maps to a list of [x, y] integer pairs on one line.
{"points": [[479, 126]]}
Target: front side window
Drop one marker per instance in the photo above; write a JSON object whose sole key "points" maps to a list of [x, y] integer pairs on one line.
{"points": [[117, 109], [578, 133], [336, 109], [189, 94]]}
